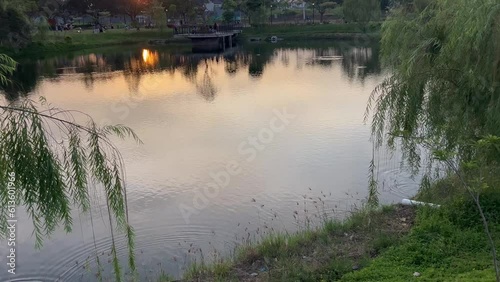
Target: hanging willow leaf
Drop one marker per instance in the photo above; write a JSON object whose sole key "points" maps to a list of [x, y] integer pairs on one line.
{"points": [[54, 160], [7, 68], [443, 93], [445, 59]]}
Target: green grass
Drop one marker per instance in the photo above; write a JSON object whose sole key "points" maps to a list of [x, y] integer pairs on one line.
{"points": [[219, 271], [387, 244], [324, 254], [446, 244], [87, 37], [165, 278], [317, 31], [69, 41]]}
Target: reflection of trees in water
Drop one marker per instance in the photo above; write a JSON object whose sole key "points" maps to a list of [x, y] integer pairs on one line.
{"points": [[190, 69], [357, 62], [360, 62], [231, 65], [24, 81], [260, 56], [133, 80], [284, 58], [88, 81], [324, 57], [237, 61], [206, 88], [136, 63]]}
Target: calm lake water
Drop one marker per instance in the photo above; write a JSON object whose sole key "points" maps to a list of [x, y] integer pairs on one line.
{"points": [[277, 126]]}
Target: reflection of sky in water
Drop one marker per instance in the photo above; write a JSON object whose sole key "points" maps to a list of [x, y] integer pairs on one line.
{"points": [[193, 112]]}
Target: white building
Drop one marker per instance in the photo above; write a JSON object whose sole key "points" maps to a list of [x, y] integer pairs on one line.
{"points": [[213, 5]]}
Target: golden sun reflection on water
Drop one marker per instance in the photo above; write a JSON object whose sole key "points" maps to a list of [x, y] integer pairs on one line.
{"points": [[150, 57]]}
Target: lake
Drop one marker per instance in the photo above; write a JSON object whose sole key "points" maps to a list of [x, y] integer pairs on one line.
{"points": [[236, 145]]}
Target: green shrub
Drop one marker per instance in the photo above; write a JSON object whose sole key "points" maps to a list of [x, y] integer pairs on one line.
{"points": [[464, 213]]}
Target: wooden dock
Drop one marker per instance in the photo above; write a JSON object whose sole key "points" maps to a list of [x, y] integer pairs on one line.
{"points": [[208, 39]]}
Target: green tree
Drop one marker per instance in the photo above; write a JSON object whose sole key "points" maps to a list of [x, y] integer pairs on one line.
{"points": [[172, 8], [24, 6], [228, 16], [133, 8], [41, 28], [444, 92], [257, 11], [15, 29], [49, 164], [361, 11], [158, 14], [186, 9], [51, 8], [445, 81], [323, 7], [94, 8], [229, 7]]}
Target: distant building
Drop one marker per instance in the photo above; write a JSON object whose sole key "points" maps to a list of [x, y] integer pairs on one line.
{"points": [[213, 5], [144, 19], [215, 11], [297, 4]]}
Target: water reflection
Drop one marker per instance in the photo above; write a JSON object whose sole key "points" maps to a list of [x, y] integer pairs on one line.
{"points": [[192, 112], [357, 62], [206, 87], [24, 81], [150, 57]]}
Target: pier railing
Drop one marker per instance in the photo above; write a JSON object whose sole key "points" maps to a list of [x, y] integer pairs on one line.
{"points": [[206, 29]]}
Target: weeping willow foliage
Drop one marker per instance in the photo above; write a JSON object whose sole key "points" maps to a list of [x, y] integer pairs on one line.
{"points": [[443, 94], [7, 68], [445, 61], [56, 162]]}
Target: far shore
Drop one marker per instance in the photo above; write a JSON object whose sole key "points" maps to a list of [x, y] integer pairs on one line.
{"points": [[70, 41]]}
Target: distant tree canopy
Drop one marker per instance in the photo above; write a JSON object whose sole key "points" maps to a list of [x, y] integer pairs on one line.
{"points": [[187, 10], [361, 11], [158, 14], [257, 11], [15, 29], [25, 6], [229, 7], [321, 6]]}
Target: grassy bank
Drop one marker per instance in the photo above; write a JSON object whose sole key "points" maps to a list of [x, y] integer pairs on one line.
{"points": [[394, 243], [324, 254], [313, 32], [445, 244], [69, 41]]}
